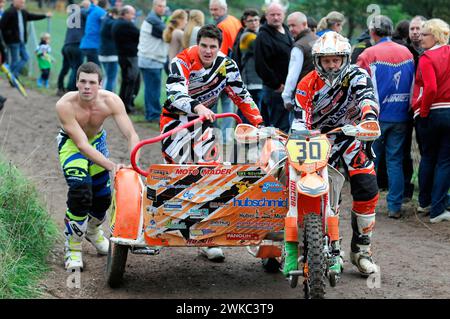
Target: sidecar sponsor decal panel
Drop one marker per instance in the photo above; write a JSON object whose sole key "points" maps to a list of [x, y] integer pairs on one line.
{"points": [[212, 205]]}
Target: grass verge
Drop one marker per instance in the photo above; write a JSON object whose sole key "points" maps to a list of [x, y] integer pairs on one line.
{"points": [[27, 234]]}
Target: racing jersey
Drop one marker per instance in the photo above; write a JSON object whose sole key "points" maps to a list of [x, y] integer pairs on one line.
{"points": [[319, 106], [190, 84]]}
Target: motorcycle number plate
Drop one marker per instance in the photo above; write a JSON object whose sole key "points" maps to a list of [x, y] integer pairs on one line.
{"points": [[308, 150]]}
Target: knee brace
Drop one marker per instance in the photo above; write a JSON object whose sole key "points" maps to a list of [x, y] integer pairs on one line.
{"points": [[79, 200], [364, 190], [99, 207]]}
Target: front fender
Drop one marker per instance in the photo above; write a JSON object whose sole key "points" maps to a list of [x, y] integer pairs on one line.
{"points": [[312, 185], [127, 201]]}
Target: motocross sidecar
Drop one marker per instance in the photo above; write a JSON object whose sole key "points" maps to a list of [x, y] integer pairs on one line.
{"points": [[195, 206]]}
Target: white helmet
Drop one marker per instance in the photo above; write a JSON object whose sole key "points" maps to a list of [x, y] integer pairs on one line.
{"points": [[329, 44]]}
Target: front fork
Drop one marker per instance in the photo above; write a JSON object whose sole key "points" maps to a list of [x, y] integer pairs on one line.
{"points": [[294, 220]]}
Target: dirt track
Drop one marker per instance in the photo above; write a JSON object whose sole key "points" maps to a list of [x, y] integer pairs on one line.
{"points": [[413, 254]]}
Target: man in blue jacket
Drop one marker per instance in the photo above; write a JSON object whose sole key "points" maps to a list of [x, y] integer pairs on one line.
{"points": [[391, 67], [90, 42], [108, 51]]}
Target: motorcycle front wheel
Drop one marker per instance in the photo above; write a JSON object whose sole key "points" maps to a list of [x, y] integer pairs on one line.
{"points": [[315, 257]]}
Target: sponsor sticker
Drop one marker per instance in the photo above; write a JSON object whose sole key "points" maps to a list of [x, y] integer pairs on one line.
{"points": [[172, 186], [175, 225], [211, 187], [160, 178], [201, 232], [271, 187], [241, 236], [188, 195], [262, 202], [198, 213], [159, 172], [219, 223], [293, 195], [199, 242], [253, 225], [151, 225], [217, 205], [172, 205], [151, 209], [257, 173], [260, 215], [203, 172]]}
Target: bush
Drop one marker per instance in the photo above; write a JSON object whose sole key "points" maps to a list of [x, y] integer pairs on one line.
{"points": [[27, 234]]}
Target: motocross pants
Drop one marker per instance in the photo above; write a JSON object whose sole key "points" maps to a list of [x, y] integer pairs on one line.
{"points": [[89, 194], [364, 189]]}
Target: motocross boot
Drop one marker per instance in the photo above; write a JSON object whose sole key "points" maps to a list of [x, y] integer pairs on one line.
{"points": [[361, 255], [75, 231], [94, 235], [336, 262]]}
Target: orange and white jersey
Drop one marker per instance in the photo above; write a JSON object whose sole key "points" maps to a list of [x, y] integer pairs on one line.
{"points": [[190, 84], [320, 106]]}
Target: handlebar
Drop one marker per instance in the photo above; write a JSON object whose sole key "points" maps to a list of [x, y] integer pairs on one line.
{"points": [[171, 132]]}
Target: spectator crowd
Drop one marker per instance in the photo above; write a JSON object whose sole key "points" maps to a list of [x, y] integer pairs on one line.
{"points": [[408, 64]]}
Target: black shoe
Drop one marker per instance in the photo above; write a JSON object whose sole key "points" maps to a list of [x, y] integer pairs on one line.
{"points": [[2, 102], [60, 92]]}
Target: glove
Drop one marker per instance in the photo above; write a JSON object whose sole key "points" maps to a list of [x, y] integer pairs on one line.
{"points": [[368, 130]]}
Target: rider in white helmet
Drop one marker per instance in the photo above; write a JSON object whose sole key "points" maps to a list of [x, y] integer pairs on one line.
{"points": [[334, 94]]}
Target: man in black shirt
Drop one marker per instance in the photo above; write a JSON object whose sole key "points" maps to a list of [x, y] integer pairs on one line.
{"points": [[126, 37], [273, 48]]}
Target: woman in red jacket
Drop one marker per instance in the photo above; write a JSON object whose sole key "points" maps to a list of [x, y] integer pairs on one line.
{"points": [[431, 104]]}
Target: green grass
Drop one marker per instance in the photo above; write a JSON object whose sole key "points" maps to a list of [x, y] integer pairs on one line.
{"points": [[27, 234]]}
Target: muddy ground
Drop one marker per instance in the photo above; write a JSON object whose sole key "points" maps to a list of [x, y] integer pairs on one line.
{"points": [[413, 254]]}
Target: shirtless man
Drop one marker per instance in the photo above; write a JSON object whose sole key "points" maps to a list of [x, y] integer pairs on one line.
{"points": [[83, 155]]}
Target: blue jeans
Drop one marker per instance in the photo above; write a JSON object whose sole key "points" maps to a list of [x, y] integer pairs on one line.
{"points": [[110, 80], [434, 169], [273, 108], [391, 143], [19, 57], [152, 93]]}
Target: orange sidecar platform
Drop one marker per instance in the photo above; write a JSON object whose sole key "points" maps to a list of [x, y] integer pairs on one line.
{"points": [[197, 205]]}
